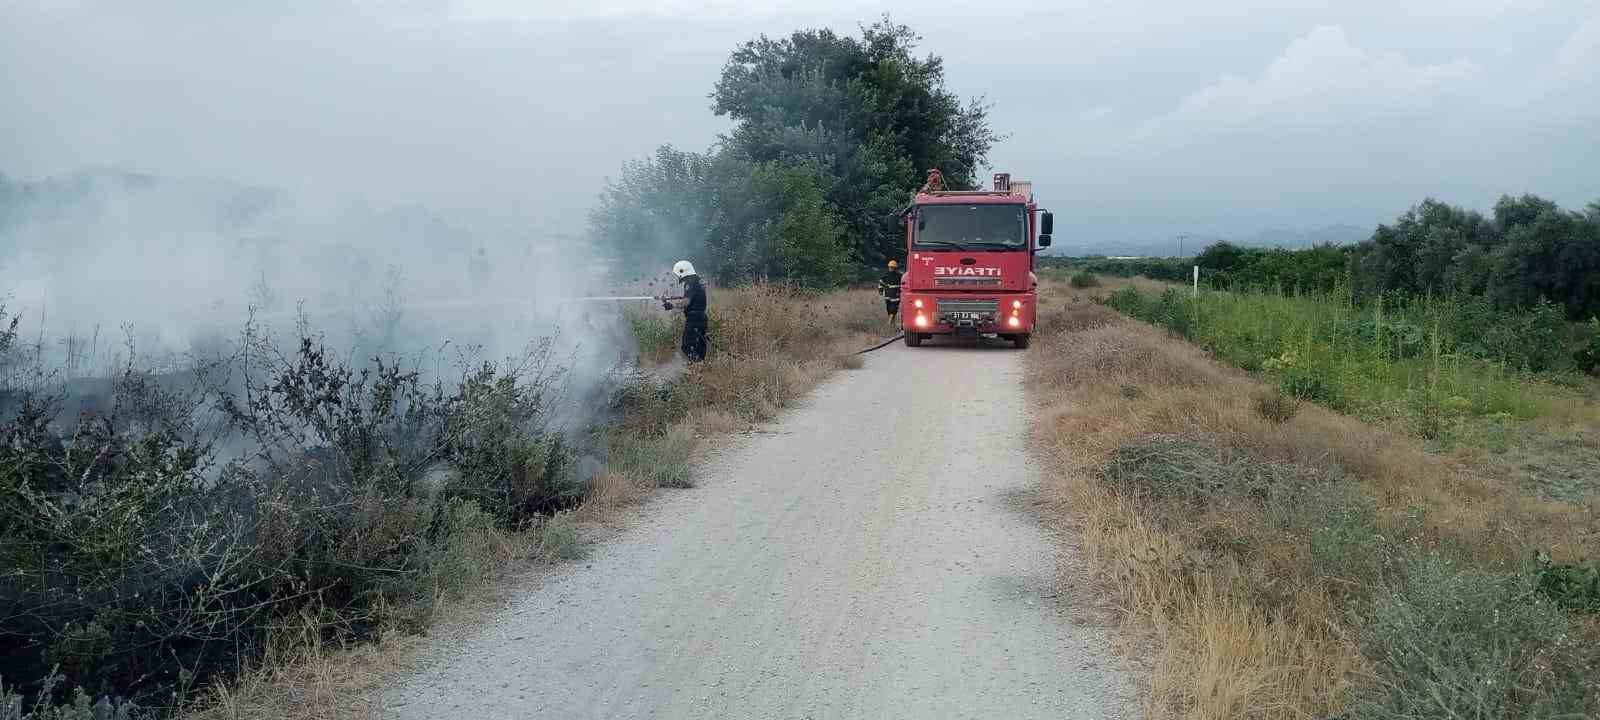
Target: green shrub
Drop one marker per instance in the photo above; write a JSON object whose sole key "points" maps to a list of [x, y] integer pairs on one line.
{"points": [[655, 333], [1452, 643], [1588, 354], [1310, 385], [1340, 524], [661, 460], [558, 539], [463, 551], [1574, 586], [1084, 279], [139, 560], [1129, 301]]}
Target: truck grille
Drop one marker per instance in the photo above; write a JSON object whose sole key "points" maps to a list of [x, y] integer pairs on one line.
{"points": [[966, 282], [952, 309]]}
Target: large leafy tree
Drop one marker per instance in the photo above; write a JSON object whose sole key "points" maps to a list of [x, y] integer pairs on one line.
{"points": [[872, 113], [831, 134], [655, 209], [1530, 250]]}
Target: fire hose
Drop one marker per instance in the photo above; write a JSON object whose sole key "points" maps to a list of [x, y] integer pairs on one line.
{"points": [[879, 345]]}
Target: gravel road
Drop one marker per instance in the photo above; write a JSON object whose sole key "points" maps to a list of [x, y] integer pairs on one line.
{"points": [[868, 556]]}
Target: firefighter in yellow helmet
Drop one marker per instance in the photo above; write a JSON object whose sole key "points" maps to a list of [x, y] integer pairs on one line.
{"points": [[889, 288]]}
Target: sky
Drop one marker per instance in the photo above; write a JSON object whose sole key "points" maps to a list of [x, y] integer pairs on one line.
{"points": [[1135, 120]]}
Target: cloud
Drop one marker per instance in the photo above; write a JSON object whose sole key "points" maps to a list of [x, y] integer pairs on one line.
{"points": [[519, 110], [1321, 78], [1571, 78]]}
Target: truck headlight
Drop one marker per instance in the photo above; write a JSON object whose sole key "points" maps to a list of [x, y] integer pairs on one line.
{"points": [[1016, 304], [916, 303], [1016, 321]]}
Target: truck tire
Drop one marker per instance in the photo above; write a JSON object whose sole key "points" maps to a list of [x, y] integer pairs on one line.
{"points": [[1021, 340], [913, 339]]}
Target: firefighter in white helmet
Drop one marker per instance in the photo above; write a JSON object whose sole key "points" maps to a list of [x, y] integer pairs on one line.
{"points": [[694, 310]]}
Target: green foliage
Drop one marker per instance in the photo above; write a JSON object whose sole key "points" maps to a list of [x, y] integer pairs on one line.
{"points": [[1429, 367], [655, 334], [656, 208], [1084, 279], [558, 539], [1588, 354], [1168, 269], [1316, 269], [1448, 642], [493, 437], [1530, 254], [1307, 384], [139, 560], [1574, 586], [831, 134], [1530, 250], [776, 222]]}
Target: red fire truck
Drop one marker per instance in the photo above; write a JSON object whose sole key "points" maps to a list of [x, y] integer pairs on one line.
{"points": [[969, 261]]}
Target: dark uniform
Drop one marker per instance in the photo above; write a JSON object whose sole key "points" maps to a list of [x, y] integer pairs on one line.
{"points": [[694, 319], [889, 288]]}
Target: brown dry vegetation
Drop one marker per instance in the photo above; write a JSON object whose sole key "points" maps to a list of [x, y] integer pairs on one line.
{"points": [[769, 346], [1256, 549]]}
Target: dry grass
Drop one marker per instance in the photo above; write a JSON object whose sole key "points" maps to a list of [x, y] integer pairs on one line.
{"points": [[770, 345], [1242, 618]]}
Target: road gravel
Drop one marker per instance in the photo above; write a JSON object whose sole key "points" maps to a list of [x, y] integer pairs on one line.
{"points": [[870, 555]]}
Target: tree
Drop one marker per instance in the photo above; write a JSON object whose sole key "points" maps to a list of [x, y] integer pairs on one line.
{"points": [[831, 135], [1530, 250], [874, 115], [654, 211]]}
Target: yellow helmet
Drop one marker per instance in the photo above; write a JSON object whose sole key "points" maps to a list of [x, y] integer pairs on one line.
{"points": [[893, 264]]}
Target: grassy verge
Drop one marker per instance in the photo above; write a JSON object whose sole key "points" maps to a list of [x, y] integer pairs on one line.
{"points": [[1280, 560], [769, 346], [1499, 388]]}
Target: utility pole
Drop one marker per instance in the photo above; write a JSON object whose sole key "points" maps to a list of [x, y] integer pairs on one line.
{"points": [[1181, 238]]}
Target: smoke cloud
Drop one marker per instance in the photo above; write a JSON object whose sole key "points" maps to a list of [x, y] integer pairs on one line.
{"points": [[412, 183]]}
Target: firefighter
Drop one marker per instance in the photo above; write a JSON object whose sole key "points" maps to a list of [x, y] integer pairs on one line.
{"points": [[694, 311], [889, 288]]}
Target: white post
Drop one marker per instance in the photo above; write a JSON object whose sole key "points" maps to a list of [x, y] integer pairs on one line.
{"points": [[1196, 292]]}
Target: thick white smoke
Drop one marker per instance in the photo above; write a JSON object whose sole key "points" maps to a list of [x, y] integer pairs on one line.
{"points": [[96, 260]]}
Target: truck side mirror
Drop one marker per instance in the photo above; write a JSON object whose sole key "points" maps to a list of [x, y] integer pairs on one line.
{"points": [[1047, 226], [1044, 241]]}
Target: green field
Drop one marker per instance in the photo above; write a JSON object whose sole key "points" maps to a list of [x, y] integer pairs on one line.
{"points": [[1455, 373]]}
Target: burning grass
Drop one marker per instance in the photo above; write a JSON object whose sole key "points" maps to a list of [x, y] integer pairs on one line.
{"points": [[1282, 564]]}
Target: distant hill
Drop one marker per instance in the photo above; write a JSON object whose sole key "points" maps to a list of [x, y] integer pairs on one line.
{"points": [[1334, 234]]}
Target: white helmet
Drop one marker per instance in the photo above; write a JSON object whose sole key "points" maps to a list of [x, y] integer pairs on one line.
{"points": [[682, 269]]}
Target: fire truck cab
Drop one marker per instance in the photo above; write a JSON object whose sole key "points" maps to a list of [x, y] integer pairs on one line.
{"points": [[969, 261]]}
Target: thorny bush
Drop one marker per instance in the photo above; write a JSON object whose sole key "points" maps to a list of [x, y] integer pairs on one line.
{"points": [[152, 540]]}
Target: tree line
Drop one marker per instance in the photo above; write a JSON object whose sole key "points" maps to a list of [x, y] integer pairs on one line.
{"points": [[1527, 251], [831, 134], [1514, 282]]}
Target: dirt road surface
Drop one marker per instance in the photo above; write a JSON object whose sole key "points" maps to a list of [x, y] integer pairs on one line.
{"points": [[868, 556]]}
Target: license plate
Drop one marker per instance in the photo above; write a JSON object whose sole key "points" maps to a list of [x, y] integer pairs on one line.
{"points": [[968, 315]]}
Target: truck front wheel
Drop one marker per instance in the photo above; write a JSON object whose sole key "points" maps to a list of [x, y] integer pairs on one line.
{"points": [[1021, 340], [913, 339]]}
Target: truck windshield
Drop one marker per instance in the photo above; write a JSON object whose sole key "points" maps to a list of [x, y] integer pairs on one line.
{"points": [[971, 227]]}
